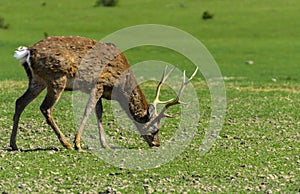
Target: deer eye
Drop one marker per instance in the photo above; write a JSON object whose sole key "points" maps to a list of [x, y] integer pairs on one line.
{"points": [[154, 130]]}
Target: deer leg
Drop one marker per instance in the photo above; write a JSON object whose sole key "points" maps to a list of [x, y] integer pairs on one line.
{"points": [[31, 93], [88, 109], [99, 110], [54, 90]]}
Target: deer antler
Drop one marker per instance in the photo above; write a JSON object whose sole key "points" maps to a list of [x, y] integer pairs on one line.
{"points": [[172, 101], [163, 79]]}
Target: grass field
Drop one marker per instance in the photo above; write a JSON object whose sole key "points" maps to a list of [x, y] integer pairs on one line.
{"points": [[258, 147]]}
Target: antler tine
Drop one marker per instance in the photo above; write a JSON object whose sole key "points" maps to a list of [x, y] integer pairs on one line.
{"points": [[183, 85], [177, 99], [163, 79]]}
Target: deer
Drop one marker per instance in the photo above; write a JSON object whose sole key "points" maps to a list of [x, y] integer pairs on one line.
{"points": [[67, 63]]}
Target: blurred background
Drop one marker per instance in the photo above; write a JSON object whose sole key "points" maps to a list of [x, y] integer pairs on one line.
{"points": [[252, 41]]}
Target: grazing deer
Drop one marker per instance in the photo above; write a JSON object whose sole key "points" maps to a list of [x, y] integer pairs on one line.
{"points": [[61, 63]]}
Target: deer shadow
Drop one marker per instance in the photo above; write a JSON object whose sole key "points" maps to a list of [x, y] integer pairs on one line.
{"points": [[8, 149]]}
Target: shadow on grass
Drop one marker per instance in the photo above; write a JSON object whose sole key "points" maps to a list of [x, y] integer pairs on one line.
{"points": [[39, 149], [8, 149], [113, 148]]}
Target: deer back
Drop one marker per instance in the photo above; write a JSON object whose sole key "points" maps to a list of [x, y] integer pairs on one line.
{"points": [[87, 63]]}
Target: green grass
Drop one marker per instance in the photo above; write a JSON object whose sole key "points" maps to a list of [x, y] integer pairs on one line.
{"points": [[241, 30], [258, 147]]}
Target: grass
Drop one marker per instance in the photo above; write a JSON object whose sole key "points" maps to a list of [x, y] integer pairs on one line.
{"points": [[258, 147]]}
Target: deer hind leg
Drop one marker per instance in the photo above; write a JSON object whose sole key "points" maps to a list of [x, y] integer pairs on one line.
{"points": [[99, 110], [94, 96], [34, 89], [54, 90]]}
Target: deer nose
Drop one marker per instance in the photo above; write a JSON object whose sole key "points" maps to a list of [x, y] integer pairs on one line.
{"points": [[155, 144]]}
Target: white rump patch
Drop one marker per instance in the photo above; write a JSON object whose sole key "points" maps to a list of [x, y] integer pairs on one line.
{"points": [[23, 54]]}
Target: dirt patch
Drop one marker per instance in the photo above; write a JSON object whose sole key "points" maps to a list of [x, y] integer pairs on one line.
{"points": [[266, 89], [13, 86], [10, 84]]}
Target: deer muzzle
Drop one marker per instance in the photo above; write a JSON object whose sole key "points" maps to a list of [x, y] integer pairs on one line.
{"points": [[152, 139]]}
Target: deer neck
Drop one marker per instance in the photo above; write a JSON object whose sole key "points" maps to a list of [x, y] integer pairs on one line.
{"points": [[138, 106], [132, 100]]}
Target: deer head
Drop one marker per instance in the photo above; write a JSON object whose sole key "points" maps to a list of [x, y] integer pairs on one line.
{"points": [[153, 125]]}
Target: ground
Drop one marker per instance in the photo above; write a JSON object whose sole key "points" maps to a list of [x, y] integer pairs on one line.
{"points": [[257, 149]]}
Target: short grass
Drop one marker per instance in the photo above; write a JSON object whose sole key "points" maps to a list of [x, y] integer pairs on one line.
{"points": [[258, 147]]}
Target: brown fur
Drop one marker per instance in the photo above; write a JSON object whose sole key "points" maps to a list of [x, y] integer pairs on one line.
{"points": [[71, 52], [97, 68]]}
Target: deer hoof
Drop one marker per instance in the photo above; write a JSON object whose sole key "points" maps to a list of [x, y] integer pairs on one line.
{"points": [[77, 147], [105, 146], [68, 146], [81, 150], [14, 147]]}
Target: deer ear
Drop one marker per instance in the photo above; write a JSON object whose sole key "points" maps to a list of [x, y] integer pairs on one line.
{"points": [[151, 110]]}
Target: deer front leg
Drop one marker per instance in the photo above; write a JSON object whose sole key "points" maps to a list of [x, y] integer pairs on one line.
{"points": [[99, 110], [54, 90], [88, 109], [31, 93]]}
